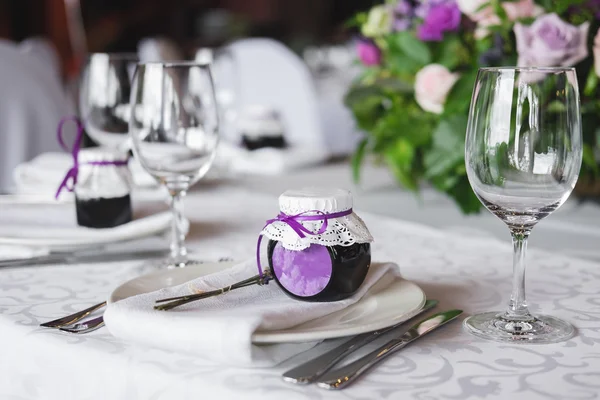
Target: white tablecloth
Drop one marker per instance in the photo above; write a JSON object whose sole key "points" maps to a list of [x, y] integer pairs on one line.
{"points": [[472, 273]]}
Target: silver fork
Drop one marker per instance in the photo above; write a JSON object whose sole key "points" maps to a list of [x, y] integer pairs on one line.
{"points": [[85, 327], [73, 318]]}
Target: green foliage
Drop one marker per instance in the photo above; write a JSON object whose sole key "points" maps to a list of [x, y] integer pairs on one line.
{"points": [[452, 53], [358, 158], [459, 98], [420, 146], [559, 6], [399, 157], [447, 150], [412, 48], [589, 159], [406, 54]]}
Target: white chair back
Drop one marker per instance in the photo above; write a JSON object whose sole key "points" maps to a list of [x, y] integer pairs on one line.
{"points": [[32, 104], [44, 51], [271, 75]]}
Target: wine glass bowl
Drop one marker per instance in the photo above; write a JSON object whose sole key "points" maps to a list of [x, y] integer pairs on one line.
{"points": [[174, 131], [104, 97], [226, 76], [523, 153]]}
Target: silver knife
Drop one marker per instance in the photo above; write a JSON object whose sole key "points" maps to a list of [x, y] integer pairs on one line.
{"points": [[313, 369], [84, 257], [342, 377]]}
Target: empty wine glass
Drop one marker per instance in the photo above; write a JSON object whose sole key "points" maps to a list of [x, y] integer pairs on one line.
{"points": [[174, 131], [226, 76], [523, 154], [104, 98]]}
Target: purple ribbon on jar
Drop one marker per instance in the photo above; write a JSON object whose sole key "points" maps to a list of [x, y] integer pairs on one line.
{"points": [[293, 221], [74, 170]]}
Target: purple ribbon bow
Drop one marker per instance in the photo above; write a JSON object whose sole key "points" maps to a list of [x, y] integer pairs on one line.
{"points": [[293, 221], [74, 171]]}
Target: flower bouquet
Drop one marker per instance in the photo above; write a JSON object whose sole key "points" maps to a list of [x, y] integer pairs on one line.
{"points": [[420, 62]]}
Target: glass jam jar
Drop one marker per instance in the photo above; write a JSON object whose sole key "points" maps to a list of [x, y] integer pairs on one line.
{"points": [[102, 191], [332, 260], [261, 127]]}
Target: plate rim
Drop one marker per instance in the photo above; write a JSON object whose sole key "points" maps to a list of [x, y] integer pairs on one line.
{"points": [[282, 336], [75, 244]]}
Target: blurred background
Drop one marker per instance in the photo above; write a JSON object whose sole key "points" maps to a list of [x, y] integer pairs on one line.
{"points": [[304, 84], [314, 58], [77, 27]]}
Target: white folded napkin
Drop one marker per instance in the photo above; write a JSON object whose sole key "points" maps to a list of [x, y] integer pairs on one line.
{"points": [[54, 227], [20, 252], [220, 328], [45, 172]]}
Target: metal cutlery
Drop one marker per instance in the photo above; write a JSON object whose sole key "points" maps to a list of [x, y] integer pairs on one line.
{"points": [[313, 369], [85, 327], [342, 377], [73, 318], [88, 256]]}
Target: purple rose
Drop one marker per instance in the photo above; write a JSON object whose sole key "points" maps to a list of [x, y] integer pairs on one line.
{"points": [[404, 14], [551, 42], [424, 6], [368, 52], [441, 18]]}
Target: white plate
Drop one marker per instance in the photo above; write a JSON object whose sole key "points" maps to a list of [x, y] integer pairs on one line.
{"points": [[382, 306], [21, 252], [73, 238]]}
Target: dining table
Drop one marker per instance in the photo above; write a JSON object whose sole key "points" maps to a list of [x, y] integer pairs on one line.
{"points": [[462, 261]]}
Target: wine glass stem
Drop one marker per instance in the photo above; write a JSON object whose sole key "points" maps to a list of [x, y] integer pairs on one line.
{"points": [[517, 307], [178, 249]]}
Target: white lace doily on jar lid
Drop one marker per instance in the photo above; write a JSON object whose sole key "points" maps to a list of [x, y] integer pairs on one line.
{"points": [[341, 231]]}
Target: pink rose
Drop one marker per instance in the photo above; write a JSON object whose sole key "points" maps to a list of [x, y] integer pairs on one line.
{"points": [[597, 53], [485, 17], [551, 42], [368, 52], [483, 26], [432, 85], [522, 9]]}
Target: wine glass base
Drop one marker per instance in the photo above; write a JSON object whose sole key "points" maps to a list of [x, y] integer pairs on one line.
{"points": [[538, 329]]}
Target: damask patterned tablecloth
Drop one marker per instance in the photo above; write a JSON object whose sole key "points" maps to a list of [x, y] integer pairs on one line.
{"points": [[471, 273]]}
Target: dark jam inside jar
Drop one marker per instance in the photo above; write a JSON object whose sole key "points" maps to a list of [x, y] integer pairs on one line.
{"points": [[103, 212], [320, 273], [255, 143]]}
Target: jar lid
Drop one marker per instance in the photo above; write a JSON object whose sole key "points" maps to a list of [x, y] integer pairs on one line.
{"points": [[341, 231], [101, 154], [327, 200], [258, 120]]}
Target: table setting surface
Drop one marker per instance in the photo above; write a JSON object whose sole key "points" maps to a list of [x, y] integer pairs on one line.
{"points": [[470, 272]]}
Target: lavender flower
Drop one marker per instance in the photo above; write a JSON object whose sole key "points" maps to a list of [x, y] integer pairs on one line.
{"points": [[368, 52], [551, 42], [404, 14], [444, 17], [424, 6]]}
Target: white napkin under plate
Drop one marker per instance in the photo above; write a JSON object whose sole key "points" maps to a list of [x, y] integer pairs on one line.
{"points": [[220, 328], [54, 227]]}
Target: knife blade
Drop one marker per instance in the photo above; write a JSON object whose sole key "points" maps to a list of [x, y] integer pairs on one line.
{"points": [[313, 369], [84, 257], [342, 377]]}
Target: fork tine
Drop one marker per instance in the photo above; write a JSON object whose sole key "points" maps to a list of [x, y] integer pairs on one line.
{"points": [[73, 318], [86, 326]]}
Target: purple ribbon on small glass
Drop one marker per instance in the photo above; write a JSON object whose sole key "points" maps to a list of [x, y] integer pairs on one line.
{"points": [[74, 171], [293, 221]]}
